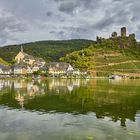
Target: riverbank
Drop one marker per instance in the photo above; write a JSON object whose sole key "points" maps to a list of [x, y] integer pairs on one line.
{"points": [[38, 77]]}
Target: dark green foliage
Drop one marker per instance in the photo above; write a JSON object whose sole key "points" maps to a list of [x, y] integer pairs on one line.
{"points": [[48, 50], [83, 59], [2, 62]]}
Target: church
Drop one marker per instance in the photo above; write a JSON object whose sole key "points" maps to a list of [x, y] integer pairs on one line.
{"points": [[27, 64], [23, 57]]}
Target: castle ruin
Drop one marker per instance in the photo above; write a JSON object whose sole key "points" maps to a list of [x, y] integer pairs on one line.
{"points": [[123, 40]]}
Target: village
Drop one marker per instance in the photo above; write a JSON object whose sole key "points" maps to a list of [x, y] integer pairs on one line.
{"points": [[28, 65]]}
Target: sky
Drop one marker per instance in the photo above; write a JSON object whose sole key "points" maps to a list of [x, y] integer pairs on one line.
{"points": [[33, 20]]}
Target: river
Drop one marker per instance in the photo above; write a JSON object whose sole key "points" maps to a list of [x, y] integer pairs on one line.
{"points": [[70, 109]]}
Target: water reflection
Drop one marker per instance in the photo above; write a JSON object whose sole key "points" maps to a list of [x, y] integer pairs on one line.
{"points": [[118, 100]]}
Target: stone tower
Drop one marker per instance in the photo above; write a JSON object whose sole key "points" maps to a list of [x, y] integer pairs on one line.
{"points": [[123, 32], [132, 36]]}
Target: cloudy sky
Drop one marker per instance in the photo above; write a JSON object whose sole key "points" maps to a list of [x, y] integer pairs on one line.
{"points": [[32, 20]]}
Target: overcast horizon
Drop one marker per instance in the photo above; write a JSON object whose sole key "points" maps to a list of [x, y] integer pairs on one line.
{"points": [[34, 20]]}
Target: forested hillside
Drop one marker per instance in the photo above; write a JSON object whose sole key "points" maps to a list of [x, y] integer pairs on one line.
{"points": [[108, 56], [48, 50], [2, 62]]}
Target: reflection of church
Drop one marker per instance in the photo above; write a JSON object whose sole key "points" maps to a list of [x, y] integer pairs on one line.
{"points": [[20, 99], [25, 91]]}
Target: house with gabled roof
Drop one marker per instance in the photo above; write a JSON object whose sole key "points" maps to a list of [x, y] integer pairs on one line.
{"points": [[5, 70], [22, 68], [1, 69], [59, 68]]}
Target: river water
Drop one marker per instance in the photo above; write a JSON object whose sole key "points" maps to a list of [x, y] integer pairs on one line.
{"points": [[97, 109]]}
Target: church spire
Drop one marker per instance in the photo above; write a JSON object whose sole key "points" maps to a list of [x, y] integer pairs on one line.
{"points": [[21, 49]]}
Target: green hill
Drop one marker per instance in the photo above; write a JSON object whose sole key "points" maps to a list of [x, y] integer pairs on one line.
{"points": [[108, 56], [48, 50], [2, 62]]}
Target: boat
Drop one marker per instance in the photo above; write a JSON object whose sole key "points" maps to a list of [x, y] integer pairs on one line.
{"points": [[115, 77]]}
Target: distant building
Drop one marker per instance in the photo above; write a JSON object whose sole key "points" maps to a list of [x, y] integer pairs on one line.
{"points": [[5, 70], [35, 68], [114, 34], [123, 32], [99, 39], [22, 69], [59, 68], [1, 69], [132, 36], [76, 72]]}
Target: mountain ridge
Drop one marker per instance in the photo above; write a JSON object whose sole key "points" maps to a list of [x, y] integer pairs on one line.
{"points": [[48, 50]]}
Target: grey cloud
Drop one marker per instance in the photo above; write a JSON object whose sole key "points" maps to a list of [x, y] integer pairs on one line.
{"points": [[90, 3], [62, 32], [116, 0], [138, 27], [103, 23], [64, 19], [68, 7], [8, 26], [52, 32], [49, 14], [114, 16]]}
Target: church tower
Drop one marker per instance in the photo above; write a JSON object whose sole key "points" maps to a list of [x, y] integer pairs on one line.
{"points": [[21, 48], [20, 56]]}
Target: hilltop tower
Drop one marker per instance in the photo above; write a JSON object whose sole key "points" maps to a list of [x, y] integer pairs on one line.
{"points": [[123, 32], [114, 35], [132, 36]]}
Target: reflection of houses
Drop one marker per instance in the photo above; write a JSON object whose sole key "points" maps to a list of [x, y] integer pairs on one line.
{"points": [[29, 87], [67, 85], [4, 84], [70, 87], [20, 84], [91, 96], [59, 68]]}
